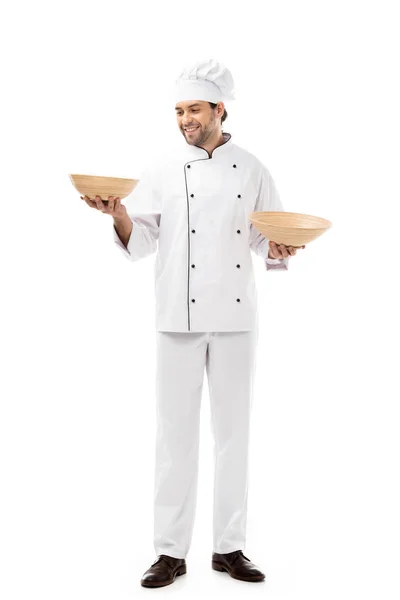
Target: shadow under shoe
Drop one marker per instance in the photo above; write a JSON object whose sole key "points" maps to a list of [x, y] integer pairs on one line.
{"points": [[163, 571], [237, 565]]}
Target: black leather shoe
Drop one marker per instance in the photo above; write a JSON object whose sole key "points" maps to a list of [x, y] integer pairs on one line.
{"points": [[163, 571], [237, 565]]}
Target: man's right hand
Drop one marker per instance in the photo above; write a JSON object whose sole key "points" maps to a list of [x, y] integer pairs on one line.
{"points": [[113, 207]]}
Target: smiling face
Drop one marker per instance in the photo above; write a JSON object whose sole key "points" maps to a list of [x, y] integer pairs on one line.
{"points": [[199, 115]]}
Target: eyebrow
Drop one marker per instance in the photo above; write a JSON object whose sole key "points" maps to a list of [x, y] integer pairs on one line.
{"points": [[179, 108]]}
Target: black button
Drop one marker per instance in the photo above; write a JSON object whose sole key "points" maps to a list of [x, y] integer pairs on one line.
{"points": [[237, 299], [239, 196], [188, 166], [193, 231], [234, 166], [192, 195], [192, 266], [193, 300], [238, 266], [238, 231]]}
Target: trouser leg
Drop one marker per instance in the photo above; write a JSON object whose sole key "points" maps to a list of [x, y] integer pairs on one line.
{"points": [[230, 365], [180, 363]]}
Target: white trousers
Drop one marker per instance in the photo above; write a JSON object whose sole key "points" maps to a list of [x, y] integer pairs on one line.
{"points": [[229, 358]]}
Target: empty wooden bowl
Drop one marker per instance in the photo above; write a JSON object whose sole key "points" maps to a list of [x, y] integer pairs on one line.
{"points": [[97, 185], [288, 228]]}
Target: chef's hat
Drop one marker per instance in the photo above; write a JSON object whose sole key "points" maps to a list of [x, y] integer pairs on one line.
{"points": [[207, 80]]}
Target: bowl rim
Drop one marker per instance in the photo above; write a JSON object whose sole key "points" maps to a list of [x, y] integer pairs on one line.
{"points": [[72, 175], [323, 221], [287, 228]]}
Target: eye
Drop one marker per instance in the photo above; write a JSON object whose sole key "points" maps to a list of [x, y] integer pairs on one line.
{"points": [[195, 110]]}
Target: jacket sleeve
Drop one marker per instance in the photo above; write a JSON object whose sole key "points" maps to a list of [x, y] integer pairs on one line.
{"points": [[267, 199], [143, 206]]}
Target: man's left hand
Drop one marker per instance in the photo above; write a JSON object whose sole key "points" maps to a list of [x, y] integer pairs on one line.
{"points": [[281, 251]]}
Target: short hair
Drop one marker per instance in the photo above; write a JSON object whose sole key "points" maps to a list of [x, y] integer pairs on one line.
{"points": [[224, 116]]}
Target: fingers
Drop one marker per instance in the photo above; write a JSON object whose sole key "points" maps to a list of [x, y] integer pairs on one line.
{"points": [[292, 250], [99, 204], [88, 201], [281, 250], [274, 250], [112, 204]]}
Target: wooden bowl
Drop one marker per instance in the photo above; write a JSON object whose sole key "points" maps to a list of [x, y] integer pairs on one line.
{"points": [[97, 185], [288, 228]]}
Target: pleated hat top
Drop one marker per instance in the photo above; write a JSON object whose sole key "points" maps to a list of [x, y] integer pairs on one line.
{"points": [[207, 80]]}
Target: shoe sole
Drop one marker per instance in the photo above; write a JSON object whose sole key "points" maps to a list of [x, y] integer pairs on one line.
{"points": [[181, 571], [219, 567]]}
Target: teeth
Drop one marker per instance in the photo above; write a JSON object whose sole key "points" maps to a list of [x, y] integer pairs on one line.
{"points": [[191, 128]]}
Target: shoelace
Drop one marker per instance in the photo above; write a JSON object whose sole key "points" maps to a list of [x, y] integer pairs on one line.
{"points": [[239, 553], [160, 558]]}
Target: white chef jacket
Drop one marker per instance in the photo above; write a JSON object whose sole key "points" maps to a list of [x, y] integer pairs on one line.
{"points": [[196, 207]]}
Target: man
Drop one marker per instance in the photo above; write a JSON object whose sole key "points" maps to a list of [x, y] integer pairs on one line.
{"points": [[195, 202]]}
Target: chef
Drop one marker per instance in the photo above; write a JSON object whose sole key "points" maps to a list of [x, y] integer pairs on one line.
{"points": [[194, 203]]}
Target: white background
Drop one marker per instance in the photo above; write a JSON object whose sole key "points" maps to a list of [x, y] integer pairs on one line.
{"points": [[84, 90]]}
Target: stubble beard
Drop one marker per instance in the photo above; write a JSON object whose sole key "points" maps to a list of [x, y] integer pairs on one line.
{"points": [[202, 135]]}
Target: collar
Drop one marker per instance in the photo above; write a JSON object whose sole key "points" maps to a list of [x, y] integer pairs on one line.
{"points": [[219, 151]]}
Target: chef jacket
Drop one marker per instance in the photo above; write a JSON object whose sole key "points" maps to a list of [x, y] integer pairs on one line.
{"points": [[196, 206]]}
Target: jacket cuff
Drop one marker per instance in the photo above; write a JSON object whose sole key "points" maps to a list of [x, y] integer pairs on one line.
{"points": [[277, 263], [274, 261]]}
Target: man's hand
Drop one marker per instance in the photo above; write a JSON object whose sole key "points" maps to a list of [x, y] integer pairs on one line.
{"points": [[114, 207], [280, 250]]}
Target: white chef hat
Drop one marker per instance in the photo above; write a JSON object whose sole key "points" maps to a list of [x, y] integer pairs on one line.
{"points": [[207, 80]]}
